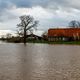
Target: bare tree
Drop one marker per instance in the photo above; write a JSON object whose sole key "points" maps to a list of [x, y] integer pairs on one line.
{"points": [[45, 35], [27, 24], [74, 24]]}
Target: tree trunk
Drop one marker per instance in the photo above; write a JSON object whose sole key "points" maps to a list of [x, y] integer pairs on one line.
{"points": [[24, 35]]}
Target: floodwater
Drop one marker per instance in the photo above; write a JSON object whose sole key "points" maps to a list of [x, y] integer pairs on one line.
{"points": [[39, 62]]}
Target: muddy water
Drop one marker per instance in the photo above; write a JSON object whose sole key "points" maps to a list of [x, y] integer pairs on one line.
{"points": [[39, 62]]}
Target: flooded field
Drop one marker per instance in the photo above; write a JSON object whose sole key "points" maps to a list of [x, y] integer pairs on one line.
{"points": [[39, 62]]}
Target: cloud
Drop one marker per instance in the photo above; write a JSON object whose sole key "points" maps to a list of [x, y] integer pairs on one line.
{"points": [[50, 13], [11, 15], [43, 3], [52, 4], [43, 14], [47, 18]]}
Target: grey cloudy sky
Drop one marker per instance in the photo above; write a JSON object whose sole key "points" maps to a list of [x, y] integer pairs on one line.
{"points": [[50, 13]]}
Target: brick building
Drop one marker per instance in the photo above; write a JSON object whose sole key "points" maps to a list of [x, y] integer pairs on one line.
{"points": [[65, 34]]}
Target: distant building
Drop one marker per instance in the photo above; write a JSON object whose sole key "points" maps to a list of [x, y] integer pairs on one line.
{"points": [[64, 34], [34, 37]]}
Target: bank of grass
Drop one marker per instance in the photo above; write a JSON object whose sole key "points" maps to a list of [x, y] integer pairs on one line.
{"points": [[57, 42], [66, 42]]}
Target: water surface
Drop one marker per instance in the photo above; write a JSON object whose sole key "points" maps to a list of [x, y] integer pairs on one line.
{"points": [[39, 62]]}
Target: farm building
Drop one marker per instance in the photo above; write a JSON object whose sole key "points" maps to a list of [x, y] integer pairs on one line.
{"points": [[33, 37], [64, 34]]}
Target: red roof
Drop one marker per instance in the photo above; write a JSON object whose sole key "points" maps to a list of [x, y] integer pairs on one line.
{"points": [[67, 32]]}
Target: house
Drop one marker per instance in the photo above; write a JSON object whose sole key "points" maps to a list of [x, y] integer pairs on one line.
{"points": [[34, 37], [64, 34]]}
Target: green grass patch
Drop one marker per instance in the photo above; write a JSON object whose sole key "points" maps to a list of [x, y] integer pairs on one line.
{"points": [[57, 42]]}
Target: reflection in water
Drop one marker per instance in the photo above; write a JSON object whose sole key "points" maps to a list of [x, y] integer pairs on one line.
{"points": [[2, 42], [39, 62]]}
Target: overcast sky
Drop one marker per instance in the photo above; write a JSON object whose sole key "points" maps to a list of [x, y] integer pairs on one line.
{"points": [[50, 13]]}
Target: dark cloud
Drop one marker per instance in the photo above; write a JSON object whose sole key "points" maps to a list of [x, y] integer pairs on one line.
{"points": [[43, 3], [3, 4], [18, 3], [21, 3], [30, 3]]}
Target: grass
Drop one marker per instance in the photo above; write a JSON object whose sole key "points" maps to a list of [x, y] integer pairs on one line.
{"points": [[57, 42]]}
